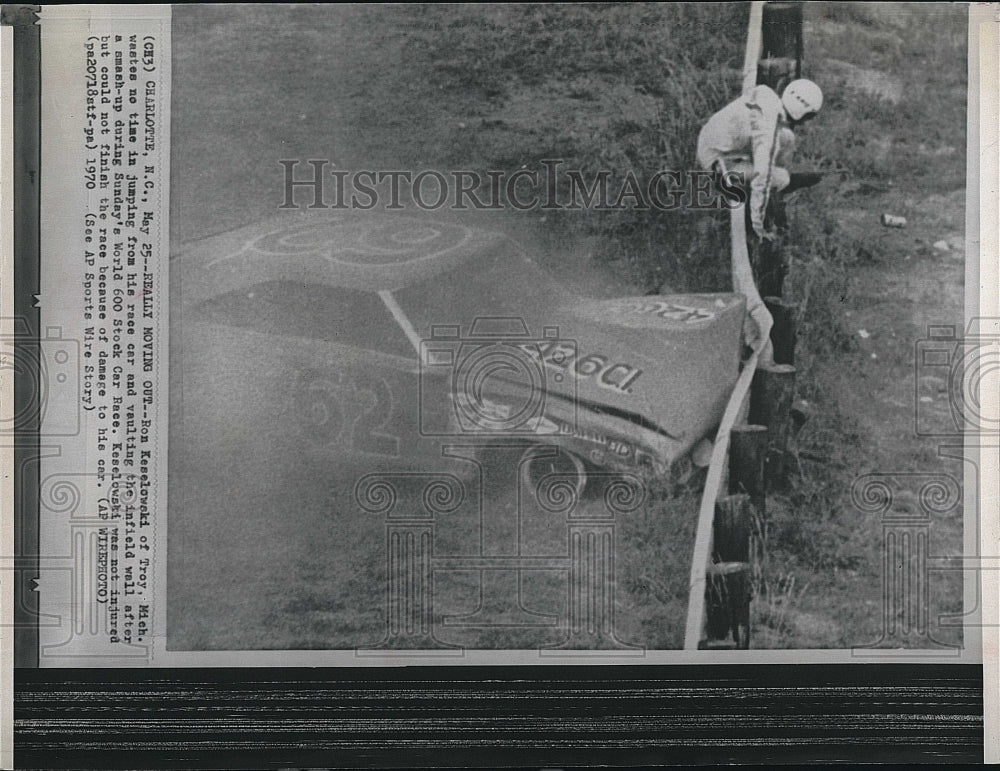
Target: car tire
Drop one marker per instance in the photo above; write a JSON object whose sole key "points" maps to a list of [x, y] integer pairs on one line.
{"points": [[537, 463]]}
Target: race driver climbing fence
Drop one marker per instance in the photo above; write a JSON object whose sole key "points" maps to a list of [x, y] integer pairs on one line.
{"points": [[708, 574]]}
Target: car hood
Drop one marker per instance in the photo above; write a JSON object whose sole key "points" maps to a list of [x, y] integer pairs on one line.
{"points": [[659, 367]]}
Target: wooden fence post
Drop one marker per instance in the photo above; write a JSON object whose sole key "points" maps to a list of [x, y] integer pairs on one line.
{"points": [[727, 591], [747, 451], [782, 44], [783, 332], [770, 404], [781, 27]]}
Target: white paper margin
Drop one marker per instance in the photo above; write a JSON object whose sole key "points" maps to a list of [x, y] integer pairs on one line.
{"points": [[983, 166]]}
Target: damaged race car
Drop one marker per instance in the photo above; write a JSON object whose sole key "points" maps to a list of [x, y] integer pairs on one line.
{"points": [[389, 337]]}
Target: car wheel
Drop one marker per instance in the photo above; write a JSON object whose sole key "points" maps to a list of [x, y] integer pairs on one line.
{"points": [[540, 467]]}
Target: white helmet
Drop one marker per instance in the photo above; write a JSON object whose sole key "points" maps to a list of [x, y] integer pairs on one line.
{"points": [[801, 97]]}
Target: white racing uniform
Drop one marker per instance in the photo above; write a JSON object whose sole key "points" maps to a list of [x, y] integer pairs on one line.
{"points": [[750, 136]]}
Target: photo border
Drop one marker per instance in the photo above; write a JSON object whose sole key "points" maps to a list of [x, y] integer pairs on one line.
{"points": [[491, 716], [271, 717]]}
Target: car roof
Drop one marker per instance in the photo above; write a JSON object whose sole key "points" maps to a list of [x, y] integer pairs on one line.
{"points": [[363, 251]]}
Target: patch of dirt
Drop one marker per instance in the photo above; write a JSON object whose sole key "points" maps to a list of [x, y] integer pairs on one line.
{"points": [[872, 82]]}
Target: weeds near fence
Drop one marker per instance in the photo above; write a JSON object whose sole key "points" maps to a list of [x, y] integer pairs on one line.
{"points": [[615, 87]]}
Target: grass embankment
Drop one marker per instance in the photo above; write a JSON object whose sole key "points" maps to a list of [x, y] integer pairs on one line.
{"points": [[626, 88], [620, 89]]}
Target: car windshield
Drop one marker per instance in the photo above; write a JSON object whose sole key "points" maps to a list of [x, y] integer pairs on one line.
{"points": [[496, 284], [318, 311]]}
